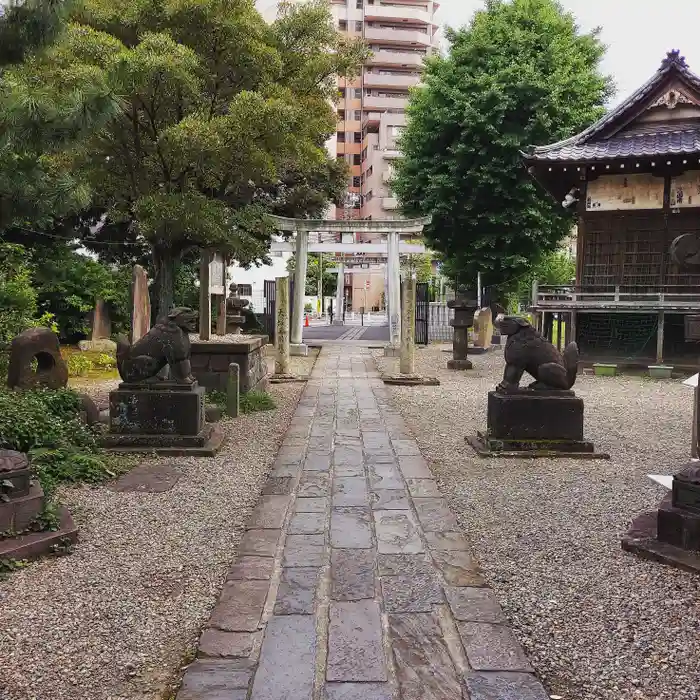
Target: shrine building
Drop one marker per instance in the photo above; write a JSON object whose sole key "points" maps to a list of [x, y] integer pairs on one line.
{"points": [[633, 178]]}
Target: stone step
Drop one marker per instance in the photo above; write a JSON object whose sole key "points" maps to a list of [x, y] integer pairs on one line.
{"points": [[37, 544], [16, 514]]}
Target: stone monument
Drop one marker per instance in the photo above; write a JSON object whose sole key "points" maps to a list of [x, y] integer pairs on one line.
{"points": [[463, 320], [150, 414], [546, 418], [282, 367], [235, 305], [22, 501], [100, 330], [483, 331], [140, 304], [40, 345]]}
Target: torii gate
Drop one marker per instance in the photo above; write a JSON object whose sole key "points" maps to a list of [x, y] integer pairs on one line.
{"points": [[393, 229]]}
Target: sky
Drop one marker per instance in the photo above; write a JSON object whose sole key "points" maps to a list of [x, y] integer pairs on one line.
{"points": [[638, 33]]}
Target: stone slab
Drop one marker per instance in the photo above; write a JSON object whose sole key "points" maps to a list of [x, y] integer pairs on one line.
{"points": [[414, 467], [397, 532], [404, 564], [350, 491], [313, 485], [269, 513], [458, 568], [287, 659], [358, 691], [215, 679], [36, 544], [279, 486], [307, 524], [504, 686], [446, 542], [216, 643], [304, 550], [423, 488], [251, 568], [317, 462], [154, 477], [385, 477], [355, 647], [405, 447], [297, 591], [394, 499], [351, 528], [259, 543], [435, 515], [492, 647], [311, 505], [240, 606], [470, 604], [411, 593], [423, 665], [352, 574]]}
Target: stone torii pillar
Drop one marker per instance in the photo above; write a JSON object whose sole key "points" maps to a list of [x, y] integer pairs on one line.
{"points": [[394, 294], [297, 346], [339, 295]]}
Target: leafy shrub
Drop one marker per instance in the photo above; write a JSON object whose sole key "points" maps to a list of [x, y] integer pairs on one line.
{"points": [[255, 401], [308, 308], [105, 361], [78, 365]]}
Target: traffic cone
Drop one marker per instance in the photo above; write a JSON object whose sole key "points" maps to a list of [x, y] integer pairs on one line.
{"points": [[306, 320]]}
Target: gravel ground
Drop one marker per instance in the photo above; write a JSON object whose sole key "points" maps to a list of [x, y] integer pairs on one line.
{"points": [[597, 623], [115, 620]]}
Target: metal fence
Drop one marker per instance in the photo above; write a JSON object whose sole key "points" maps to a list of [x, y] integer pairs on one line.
{"points": [[439, 317]]}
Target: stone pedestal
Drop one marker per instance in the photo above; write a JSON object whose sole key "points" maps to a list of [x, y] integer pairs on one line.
{"points": [[671, 535], [463, 320], [25, 501], [162, 417], [210, 363], [527, 423]]}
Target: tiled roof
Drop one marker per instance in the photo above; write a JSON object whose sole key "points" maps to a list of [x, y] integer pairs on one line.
{"points": [[591, 144]]}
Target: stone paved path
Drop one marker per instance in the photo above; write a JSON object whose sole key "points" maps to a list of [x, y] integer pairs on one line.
{"points": [[353, 581]]}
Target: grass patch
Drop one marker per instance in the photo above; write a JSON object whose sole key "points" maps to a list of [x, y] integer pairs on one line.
{"points": [[89, 365], [250, 402]]}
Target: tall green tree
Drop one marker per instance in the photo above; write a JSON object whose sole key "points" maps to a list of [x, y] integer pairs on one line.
{"points": [[521, 73], [224, 120], [38, 122]]}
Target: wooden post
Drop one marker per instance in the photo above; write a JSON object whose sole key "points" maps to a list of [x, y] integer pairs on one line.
{"points": [[660, 339], [204, 297]]}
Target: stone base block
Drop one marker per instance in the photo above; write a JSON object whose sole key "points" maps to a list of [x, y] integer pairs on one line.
{"points": [[534, 449], [678, 527], [210, 363], [410, 380], [476, 350], [158, 409], [526, 415], [459, 364], [338, 322], [642, 539], [299, 350], [391, 351], [205, 444], [37, 544], [17, 513]]}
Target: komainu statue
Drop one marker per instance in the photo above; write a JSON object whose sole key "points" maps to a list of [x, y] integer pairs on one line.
{"points": [[527, 351], [167, 343]]}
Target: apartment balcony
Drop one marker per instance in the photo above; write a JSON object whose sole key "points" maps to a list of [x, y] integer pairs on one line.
{"points": [[375, 102], [398, 14], [391, 153], [386, 176], [389, 35], [380, 80], [389, 203], [402, 59]]}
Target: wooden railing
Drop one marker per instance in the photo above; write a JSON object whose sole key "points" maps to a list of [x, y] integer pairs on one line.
{"points": [[619, 296]]}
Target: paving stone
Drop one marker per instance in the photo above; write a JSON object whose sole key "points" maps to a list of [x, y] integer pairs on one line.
{"points": [[279, 486], [423, 488], [385, 476], [269, 513], [446, 542], [358, 691], [346, 455], [423, 665], [311, 505], [349, 470], [393, 499], [458, 568], [492, 647], [372, 458], [313, 485], [149, 478], [397, 532], [287, 659], [215, 679], [352, 574], [286, 470], [304, 550], [317, 462], [288, 455], [216, 643], [435, 515], [297, 591], [240, 606], [474, 604], [504, 686], [404, 564], [414, 467], [405, 447], [355, 649], [351, 528], [253, 568], [350, 491], [261, 543], [307, 523], [411, 593]]}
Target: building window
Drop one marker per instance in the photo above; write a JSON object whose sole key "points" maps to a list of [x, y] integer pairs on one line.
{"points": [[342, 25], [358, 4], [358, 26], [358, 93], [370, 170], [342, 92], [357, 137], [356, 181], [356, 160], [341, 136], [358, 115], [341, 115], [364, 154], [245, 290]]}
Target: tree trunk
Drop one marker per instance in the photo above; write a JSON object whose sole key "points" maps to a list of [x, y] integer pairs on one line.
{"points": [[165, 261]]}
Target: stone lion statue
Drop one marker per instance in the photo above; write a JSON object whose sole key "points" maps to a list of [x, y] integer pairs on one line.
{"points": [[167, 343], [527, 351]]}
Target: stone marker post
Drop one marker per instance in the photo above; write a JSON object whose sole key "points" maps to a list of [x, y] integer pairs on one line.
{"points": [[140, 304], [302, 257], [233, 390], [408, 327], [282, 325], [101, 325], [204, 297], [394, 294], [339, 296]]}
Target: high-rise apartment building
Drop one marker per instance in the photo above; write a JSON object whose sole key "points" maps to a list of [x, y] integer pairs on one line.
{"points": [[371, 110]]}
